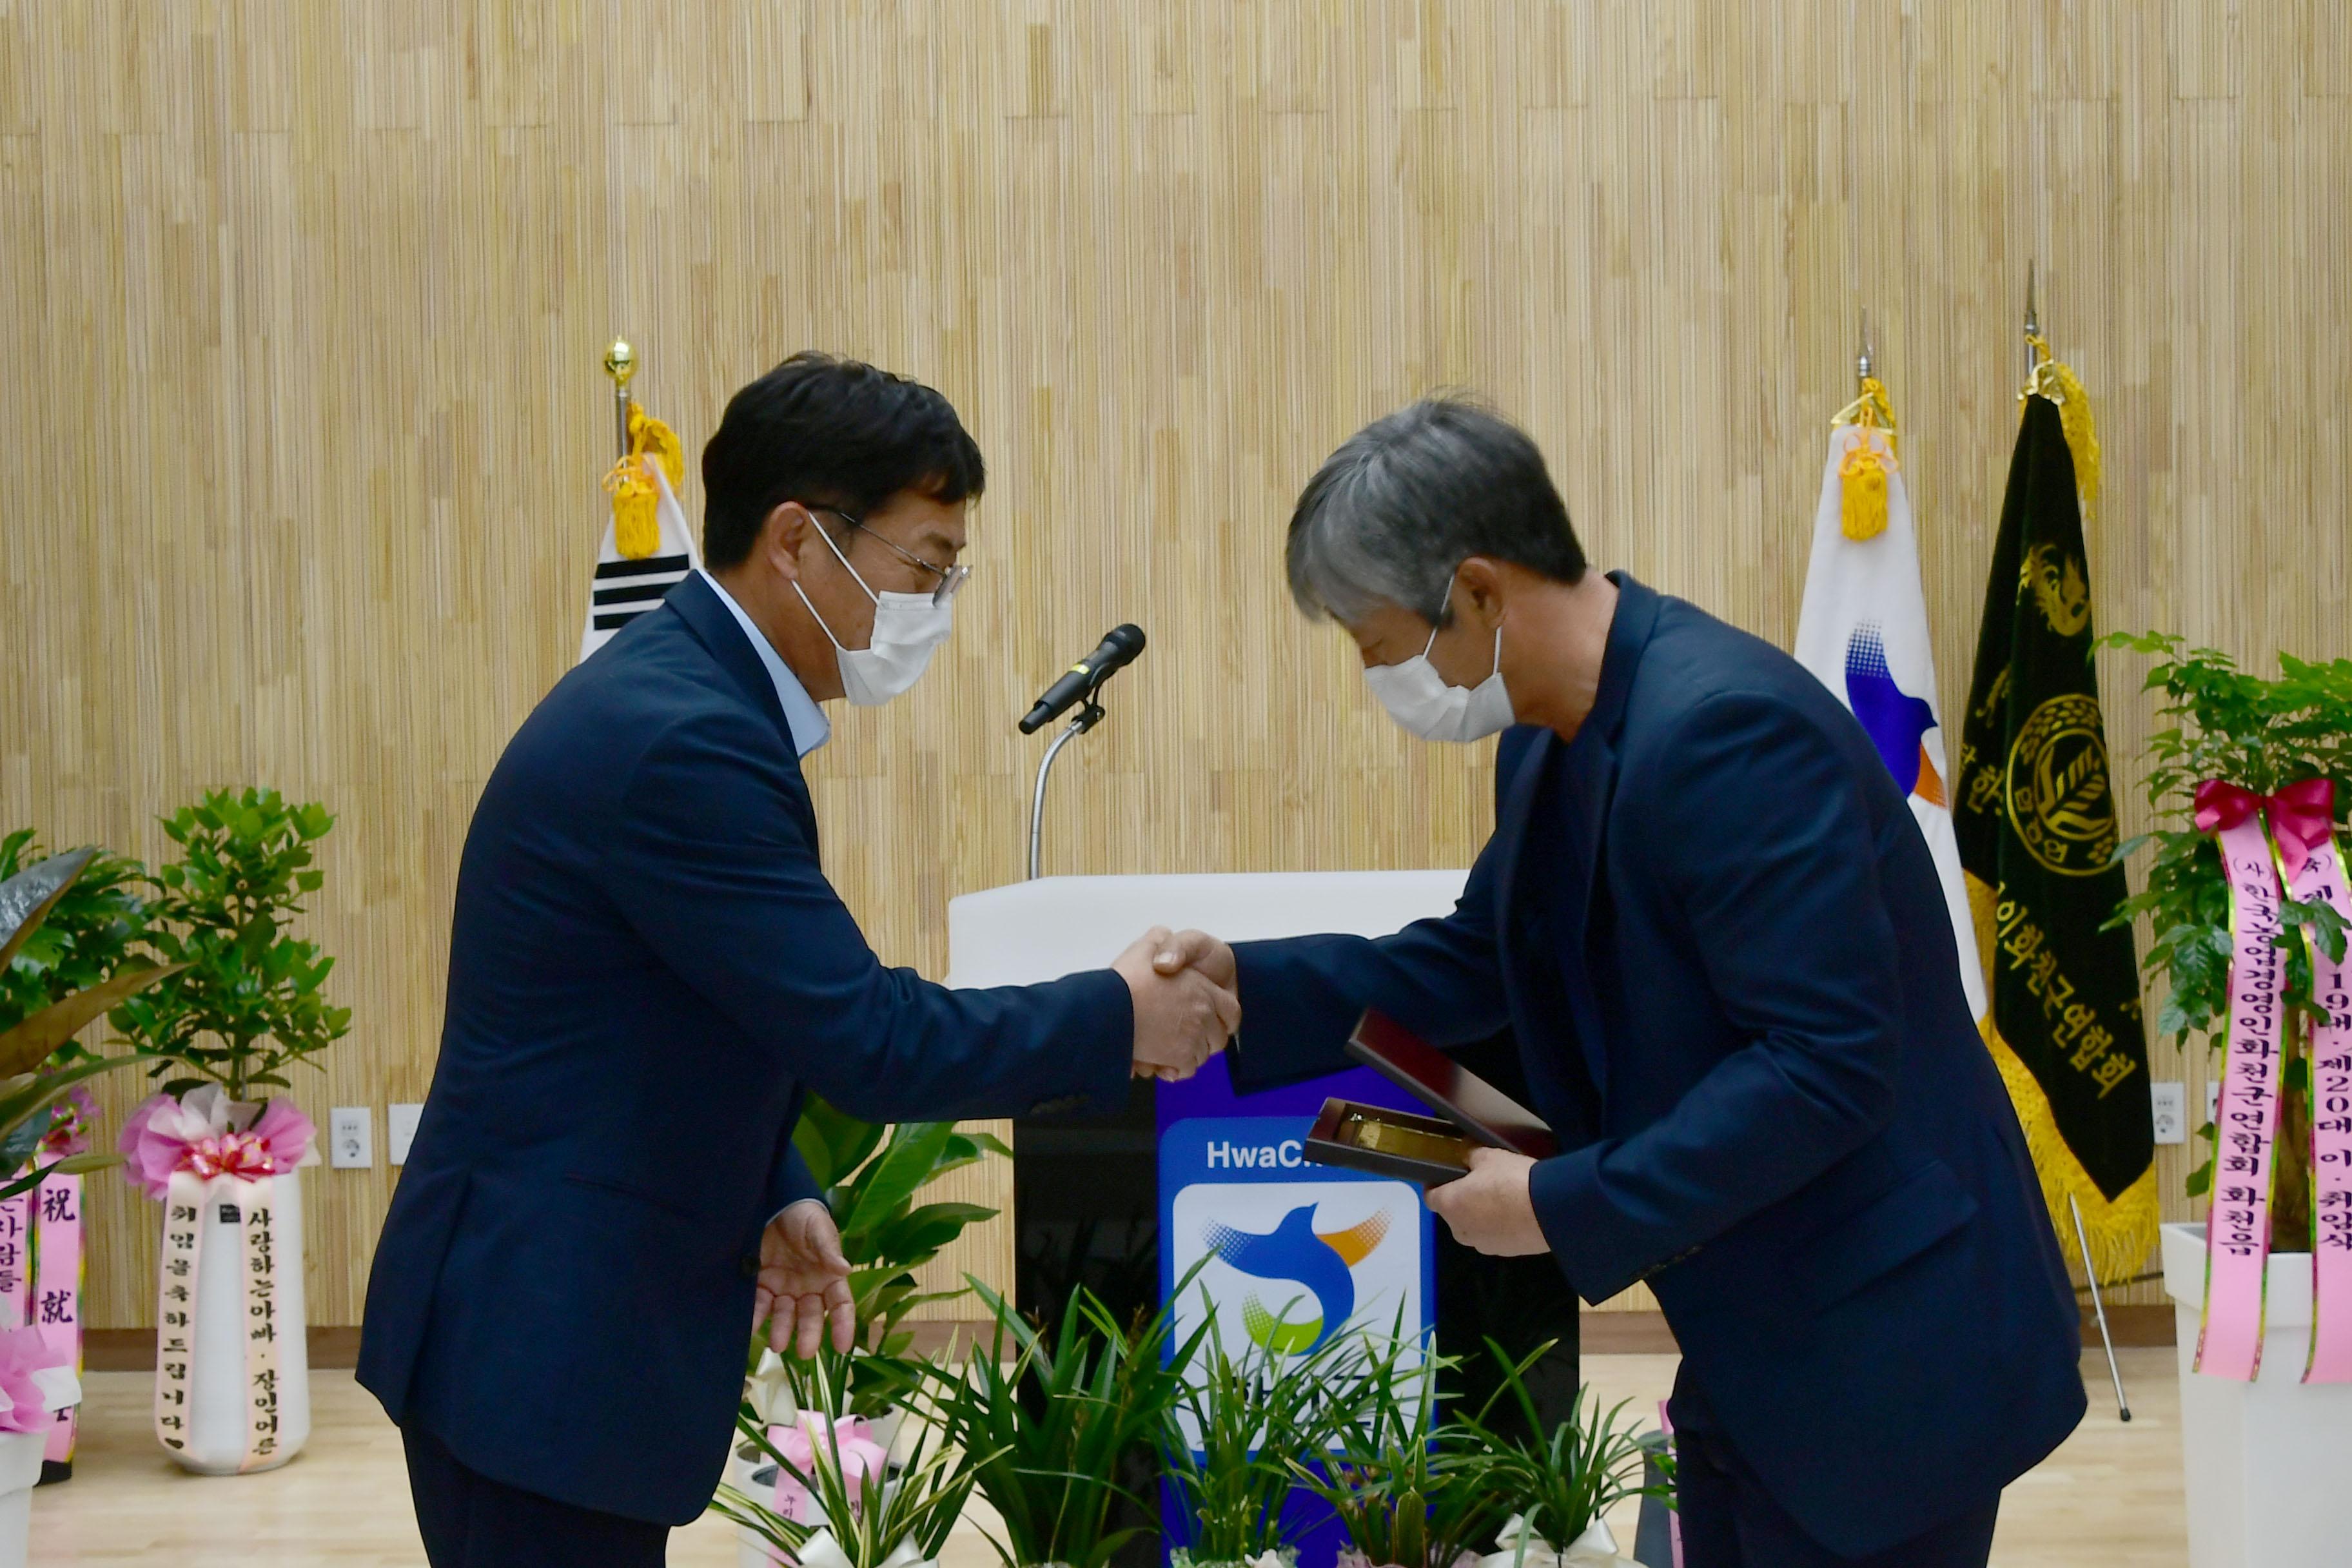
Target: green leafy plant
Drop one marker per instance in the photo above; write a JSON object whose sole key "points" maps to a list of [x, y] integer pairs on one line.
{"points": [[870, 1175], [246, 1002], [91, 931], [1240, 1422], [1561, 1482], [920, 1502], [1409, 1492], [2260, 734], [31, 1083], [1059, 1418]]}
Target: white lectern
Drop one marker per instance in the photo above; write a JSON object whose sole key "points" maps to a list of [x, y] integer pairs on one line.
{"points": [[1058, 925]]}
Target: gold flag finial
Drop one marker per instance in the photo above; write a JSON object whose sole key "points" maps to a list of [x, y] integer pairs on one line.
{"points": [[620, 362]]}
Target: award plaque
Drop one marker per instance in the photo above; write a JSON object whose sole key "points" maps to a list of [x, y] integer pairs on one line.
{"points": [[1385, 1142], [1471, 1104]]}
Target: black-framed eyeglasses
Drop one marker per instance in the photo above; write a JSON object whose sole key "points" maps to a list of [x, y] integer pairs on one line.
{"points": [[950, 578]]}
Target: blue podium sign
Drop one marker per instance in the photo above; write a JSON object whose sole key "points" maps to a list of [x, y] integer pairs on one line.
{"points": [[1290, 1254]]}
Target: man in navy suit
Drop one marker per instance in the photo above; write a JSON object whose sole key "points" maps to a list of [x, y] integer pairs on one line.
{"points": [[1712, 923], [648, 969]]}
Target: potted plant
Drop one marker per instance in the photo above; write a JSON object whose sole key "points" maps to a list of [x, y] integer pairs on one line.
{"points": [[246, 1004], [2259, 1458], [1059, 1418], [1240, 1422], [1411, 1493], [87, 939], [52, 986], [835, 1499], [1557, 1485]]}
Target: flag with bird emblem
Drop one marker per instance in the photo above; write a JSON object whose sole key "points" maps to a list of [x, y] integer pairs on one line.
{"points": [[648, 548], [1863, 633], [2035, 811]]}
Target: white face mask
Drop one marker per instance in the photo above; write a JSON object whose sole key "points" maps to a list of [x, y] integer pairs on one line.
{"points": [[1418, 698], [907, 629]]}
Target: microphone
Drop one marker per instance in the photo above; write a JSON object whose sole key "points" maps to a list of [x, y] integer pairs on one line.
{"points": [[1118, 647]]}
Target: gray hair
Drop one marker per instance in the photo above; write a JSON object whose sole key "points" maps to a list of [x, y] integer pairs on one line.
{"points": [[1395, 511]]}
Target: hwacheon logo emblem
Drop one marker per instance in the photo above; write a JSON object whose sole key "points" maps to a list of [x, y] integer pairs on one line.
{"points": [[1322, 1263], [2059, 800], [1288, 1265]]}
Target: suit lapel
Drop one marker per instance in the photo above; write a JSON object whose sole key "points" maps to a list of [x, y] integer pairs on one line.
{"points": [[1589, 769], [696, 603]]}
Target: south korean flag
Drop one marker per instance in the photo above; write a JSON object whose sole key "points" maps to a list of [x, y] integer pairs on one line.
{"points": [[627, 587]]}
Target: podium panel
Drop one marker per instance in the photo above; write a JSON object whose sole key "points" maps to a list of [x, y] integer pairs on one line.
{"points": [[1191, 1174]]}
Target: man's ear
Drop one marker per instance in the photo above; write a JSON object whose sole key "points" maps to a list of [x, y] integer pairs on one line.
{"points": [[1478, 588], [783, 533]]}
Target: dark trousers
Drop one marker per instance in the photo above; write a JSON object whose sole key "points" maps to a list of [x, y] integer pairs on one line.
{"points": [[1728, 1521], [470, 1520]]}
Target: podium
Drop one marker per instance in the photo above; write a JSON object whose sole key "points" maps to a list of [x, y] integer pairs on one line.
{"points": [[1192, 1174]]}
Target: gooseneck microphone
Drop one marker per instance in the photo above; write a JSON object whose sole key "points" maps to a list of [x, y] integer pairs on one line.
{"points": [[1119, 647]]}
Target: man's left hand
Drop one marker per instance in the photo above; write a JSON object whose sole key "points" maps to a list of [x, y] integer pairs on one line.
{"points": [[1489, 1210], [804, 1283]]}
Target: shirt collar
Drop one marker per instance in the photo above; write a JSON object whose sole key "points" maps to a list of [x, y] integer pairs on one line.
{"points": [[807, 723]]}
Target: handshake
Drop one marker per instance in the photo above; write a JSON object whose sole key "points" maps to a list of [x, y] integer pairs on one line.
{"points": [[1186, 1002]]}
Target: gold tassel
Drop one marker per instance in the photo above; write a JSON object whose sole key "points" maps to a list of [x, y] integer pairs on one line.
{"points": [[1861, 492], [2058, 383], [637, 508], [2123, 1230], [636, 500]]}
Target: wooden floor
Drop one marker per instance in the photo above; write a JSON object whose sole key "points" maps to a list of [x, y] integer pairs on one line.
{"points": [[2111, 1496]]}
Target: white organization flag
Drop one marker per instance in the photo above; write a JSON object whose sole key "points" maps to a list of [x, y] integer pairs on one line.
{"points": [[628, 587], [1863, 632]]}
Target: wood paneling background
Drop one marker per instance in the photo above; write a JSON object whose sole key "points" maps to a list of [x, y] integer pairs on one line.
{"points": [[301, 305]]}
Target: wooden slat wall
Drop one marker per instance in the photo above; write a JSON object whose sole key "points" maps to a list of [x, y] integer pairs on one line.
{"points": [[301, 304]]}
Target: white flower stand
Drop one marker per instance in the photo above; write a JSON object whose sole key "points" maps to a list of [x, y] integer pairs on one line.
{"points": [[2265, 1460], [20, 1465], [216, 1418]]}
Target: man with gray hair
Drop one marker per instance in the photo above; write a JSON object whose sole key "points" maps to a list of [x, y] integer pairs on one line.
{"points": [[1711, 923]]}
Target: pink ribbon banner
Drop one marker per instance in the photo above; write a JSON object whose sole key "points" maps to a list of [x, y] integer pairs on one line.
{"points": [[2238, 1229], [57, 1290], [2302, 823]]}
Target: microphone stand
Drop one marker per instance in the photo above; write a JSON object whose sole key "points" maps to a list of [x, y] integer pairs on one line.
{"points": [[1090, 713]]}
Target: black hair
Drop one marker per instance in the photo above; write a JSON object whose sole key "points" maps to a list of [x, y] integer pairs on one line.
{"points": [[831, 433]]}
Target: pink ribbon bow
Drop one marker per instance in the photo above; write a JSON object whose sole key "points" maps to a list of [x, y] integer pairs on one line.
{"points": [[2301, 816], [206, 1132]]}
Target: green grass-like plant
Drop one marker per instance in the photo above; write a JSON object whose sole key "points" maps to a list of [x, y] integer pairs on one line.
{"points": [[1561, 1481], [1057, 1416], [1408, 1490], [1251, 1415]]}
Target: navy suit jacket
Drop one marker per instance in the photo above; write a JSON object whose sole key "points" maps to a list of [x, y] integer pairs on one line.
{"points": [[1752, 1029], [647, 968]]}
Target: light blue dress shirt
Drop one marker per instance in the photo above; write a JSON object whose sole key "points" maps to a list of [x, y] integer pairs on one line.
{"points": [[803, 717]]}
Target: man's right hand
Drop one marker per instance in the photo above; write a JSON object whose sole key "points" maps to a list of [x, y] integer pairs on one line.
{"points": [[1186, 1007]]}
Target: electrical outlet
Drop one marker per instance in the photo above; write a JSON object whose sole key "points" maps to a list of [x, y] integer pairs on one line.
{"points": [[2169, 1104], [351, 1137], [400, 1128]]}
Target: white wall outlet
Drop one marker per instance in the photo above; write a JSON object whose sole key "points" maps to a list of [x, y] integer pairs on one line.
{"points": [[2170, 1103], [351, 1137], [400, 1128]]}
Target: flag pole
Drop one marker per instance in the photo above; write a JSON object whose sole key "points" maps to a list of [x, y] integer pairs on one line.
{"points": [[621, 363], [2115, 1372], [1861, 360], [2032, 324]]}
